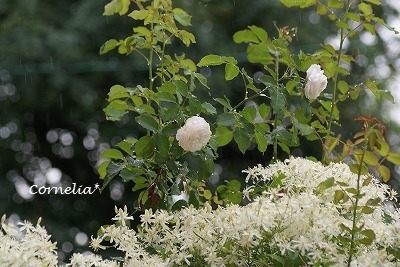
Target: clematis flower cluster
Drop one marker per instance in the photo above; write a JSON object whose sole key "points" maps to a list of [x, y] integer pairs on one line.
{"points": [[194, 134], [294, 222]]}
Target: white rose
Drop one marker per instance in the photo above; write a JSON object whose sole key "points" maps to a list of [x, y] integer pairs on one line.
{"points": [[316, 81], [194, 134]]}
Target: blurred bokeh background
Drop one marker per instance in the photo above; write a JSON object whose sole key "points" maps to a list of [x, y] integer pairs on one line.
{"points": [[53, 85]]}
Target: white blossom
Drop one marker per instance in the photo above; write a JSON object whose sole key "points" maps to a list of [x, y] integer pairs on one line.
{"points": [[194, 134], [316, 81]]}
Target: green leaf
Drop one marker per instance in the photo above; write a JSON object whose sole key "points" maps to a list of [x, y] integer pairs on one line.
{"points": [[337, 4], [299, 3], [139, 14], [278, 101], [367, 210], [144, 147], [211, 60], [264, 110], [382, 147], [339, 195], [261, 34], [262, 142], [258, 53], [116, 6], [223, 135], [328, 183], [224, 102], [370, 158], [384, 172], [181, 16], [130, 175], [181, 87], [242, 139], [356, 167], [201, 79], [112, 153], [127, 146], [368, 233], [365, 8], [108, 46], [102, 169], [343, 87], [226, 119], [116, 110], [249, 113], [117, 91], [112, 170], [394, 158], [209, 108], [148, 122], [245, 36], [231, 71]]}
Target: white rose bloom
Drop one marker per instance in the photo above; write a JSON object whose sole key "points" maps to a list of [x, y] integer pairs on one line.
{"points": [[316, 81], [194, 134]]}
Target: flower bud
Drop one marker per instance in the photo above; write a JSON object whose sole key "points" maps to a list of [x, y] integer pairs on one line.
{"points": [[194, 134], [316, 81]]}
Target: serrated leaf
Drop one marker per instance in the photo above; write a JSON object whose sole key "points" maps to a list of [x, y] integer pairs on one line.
{"points": [[223, 135], [365, 8], [278, 101], [226, 119], [264, 110], [242, 139], [108, 46], [116, 110], [144, 147], [116, 6], [117, 91], [249, 113], [209, 108], [298, 3], [102, 169], [147, 121], [245, 36], [231, 71], [258, 53], [211, 60], [261, 34], [262, 142], [181, 16], [112, 153]]}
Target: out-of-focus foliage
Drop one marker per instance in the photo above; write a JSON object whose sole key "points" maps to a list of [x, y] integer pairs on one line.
{"points": [[53, 85]]}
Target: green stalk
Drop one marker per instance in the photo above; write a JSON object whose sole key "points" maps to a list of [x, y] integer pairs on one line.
{"points": [[353, 232], [150, 62], [275, 153]]}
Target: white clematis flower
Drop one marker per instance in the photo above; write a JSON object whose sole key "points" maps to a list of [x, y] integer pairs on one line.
{"points": [[194, 134], [316, 81]]}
